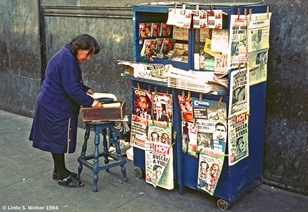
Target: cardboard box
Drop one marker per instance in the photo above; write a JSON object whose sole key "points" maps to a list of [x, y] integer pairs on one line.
{"points": [[113, 111]]}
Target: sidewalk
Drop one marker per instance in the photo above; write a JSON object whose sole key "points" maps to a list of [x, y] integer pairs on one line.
{"points": [[25, 182]]}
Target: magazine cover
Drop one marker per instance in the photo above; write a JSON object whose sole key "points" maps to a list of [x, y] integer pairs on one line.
{"points": [[166, 30], [144, 30], [148, 47], [142, 113], [210, 166], [167, 45], [155, 30], [211, 124], [162, 107], [159, 155]]}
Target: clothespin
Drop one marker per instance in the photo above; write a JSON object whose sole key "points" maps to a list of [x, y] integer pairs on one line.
{"points": [[246, 69], [194, 122], [149, 89], [238, 13], [138, 86], [155, 90], [184, 6], [167, 92], [188, 95], [267, 11], [239, 67], [250, 14], [200, 97], [183, 94], [261, 64], [211, 8], [245, 13], [224, 13], [219, 102], [174, 135]]}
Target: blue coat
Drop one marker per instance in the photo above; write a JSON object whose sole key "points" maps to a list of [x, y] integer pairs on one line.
{"points": [[63, 90]]}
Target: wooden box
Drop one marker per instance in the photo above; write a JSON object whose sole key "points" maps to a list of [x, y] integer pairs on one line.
{"points": [[113, 111]]}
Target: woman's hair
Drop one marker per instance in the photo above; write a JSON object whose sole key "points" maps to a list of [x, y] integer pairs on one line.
{"points": [[84, 42]]}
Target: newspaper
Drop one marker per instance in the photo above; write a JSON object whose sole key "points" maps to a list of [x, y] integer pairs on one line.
{"points": [[152, 71], [238, 40], [258, 32], [159, 156], [257, 64], [238, 138], [239, 91]]}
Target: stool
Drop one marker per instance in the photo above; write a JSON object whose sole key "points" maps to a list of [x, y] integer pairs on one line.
{"points": [[95, 167]]}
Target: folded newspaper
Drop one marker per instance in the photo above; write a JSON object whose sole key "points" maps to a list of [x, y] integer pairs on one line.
{"points": [[152, 71]]}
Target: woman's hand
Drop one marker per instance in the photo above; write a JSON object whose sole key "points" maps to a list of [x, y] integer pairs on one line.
{"points": [[97, 104], [89, 91]]}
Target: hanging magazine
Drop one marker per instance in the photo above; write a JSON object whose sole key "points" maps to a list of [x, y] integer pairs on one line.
{"points": [[210, 118], [210, 166], [140, 117], [238, 138], [159, 156]]}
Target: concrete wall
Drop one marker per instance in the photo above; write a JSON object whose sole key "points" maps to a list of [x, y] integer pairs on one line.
{"points": [[25, 51]]}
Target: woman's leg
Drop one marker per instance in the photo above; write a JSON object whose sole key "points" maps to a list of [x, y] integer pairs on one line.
{"points": [[59, 165]]}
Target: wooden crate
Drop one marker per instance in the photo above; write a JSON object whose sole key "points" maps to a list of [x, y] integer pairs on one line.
{"points": [[106, 113]]}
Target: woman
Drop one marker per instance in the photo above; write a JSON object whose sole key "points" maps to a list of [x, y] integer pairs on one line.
{"points": [[55, 121]]}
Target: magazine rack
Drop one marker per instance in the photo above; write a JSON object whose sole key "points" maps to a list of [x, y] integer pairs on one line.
{"points": [[234, 180]]}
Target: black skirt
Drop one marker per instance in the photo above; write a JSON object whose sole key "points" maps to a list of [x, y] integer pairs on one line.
{"points": [[52, 132]]}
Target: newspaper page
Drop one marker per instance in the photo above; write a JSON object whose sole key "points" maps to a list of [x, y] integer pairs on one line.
{"points": [[257, 65], [238, 38], [258, 42], [159, 156], [238, 138], [141, 115], [258, 32], [210, 166], [211, 124], [239, 91]]}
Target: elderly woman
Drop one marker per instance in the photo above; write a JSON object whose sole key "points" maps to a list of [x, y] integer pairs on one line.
{"points": [[55, 121]]}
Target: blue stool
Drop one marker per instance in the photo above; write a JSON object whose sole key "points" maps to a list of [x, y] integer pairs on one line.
{"points": [[95, 167]]}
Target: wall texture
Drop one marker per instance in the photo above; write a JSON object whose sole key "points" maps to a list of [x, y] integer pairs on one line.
{"points": [[33, 30]]}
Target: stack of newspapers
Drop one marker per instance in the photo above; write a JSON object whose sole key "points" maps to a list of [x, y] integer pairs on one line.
{"points": [[197, 81]]}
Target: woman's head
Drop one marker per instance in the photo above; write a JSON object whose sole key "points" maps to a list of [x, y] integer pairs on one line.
{"points": [[83, 47]]}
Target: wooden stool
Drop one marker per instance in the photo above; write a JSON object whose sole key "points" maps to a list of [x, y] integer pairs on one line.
{"points": [[95, 167]]}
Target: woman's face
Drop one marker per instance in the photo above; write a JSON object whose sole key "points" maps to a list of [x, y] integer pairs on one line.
{"points": [[83, 55]]}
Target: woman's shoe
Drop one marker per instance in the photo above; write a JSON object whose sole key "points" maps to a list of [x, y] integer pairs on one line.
{"points": [[70, 182]]}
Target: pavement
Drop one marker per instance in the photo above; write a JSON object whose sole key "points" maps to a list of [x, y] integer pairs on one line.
{"points": [[26, 184]]}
